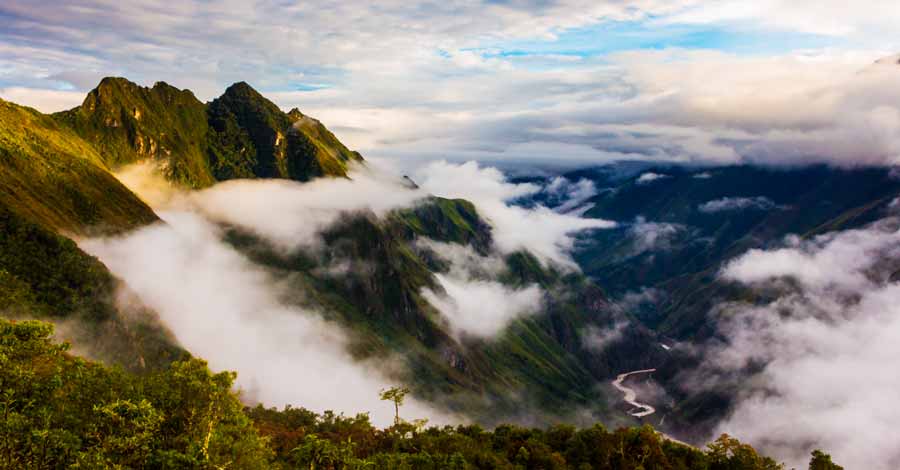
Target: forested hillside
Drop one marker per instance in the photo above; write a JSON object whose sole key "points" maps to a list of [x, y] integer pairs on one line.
{"points": [[61, 411]]}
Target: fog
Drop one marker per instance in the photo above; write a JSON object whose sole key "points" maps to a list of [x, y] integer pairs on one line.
{"points": [[828, 341], [226, 309]]}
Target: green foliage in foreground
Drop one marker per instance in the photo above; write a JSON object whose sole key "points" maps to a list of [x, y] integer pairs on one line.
{"points": [[60, 411], [303, 439]]}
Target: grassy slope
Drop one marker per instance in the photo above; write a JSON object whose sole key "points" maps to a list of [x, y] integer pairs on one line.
{"points": [[56, 179], [51, 181]]}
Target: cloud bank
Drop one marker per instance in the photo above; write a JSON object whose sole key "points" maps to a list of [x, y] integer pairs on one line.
{"points": [[653, 236], [828, 344], [225, 309]]}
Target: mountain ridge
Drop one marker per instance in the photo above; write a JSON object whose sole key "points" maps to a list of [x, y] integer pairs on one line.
{"points": [[240, 134]]}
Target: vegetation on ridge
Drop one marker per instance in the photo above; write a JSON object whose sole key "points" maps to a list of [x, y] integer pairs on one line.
{"points": [[241, 134], [60, 411]]}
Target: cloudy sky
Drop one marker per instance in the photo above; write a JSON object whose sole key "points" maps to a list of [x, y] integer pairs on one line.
{"points": [[567, 81]]}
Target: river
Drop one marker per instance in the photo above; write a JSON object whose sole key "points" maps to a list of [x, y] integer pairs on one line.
{"points": [[640, 410]]}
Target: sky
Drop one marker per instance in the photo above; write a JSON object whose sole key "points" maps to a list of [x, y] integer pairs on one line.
{"points": [[569, 82]]}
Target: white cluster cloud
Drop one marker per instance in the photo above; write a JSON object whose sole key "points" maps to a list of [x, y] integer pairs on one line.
{"points": [[649, 177], [287, 213], [571, 195], [727, 204], [653, 236], [547, 234], [482, 308], [223, 307], [828, 343], [472, 304], [598, 339]]}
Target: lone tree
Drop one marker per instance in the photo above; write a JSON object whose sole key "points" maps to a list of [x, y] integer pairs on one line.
{"points": [[396, 395]]}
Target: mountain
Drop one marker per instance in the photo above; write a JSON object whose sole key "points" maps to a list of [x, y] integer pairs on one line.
{"points": [[54, 183], [241, 134], [57, 175]]}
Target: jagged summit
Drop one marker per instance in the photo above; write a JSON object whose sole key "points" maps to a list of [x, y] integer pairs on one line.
{"points": [[240, 134]]}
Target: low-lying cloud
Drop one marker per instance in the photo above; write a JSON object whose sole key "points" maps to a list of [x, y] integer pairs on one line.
{"points": [[649, 177], [472, 303], [827, 343], [570, 195], [227, 310], [546, 233], [224, 307], [482, 308], [653, 236], [727, 204]]}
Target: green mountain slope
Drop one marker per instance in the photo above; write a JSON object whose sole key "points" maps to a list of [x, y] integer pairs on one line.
{"points": [[805, 201], [238, 135], [53, 182], [52, 177], [678, 278], [540, 359], [128, 123], [251, 136]]}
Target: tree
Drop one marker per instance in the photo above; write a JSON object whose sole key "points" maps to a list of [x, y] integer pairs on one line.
{"points": [[396, 395], [822, 461]]}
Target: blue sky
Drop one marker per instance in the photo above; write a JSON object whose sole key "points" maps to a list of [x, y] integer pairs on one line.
{"points": [[598, 40]]}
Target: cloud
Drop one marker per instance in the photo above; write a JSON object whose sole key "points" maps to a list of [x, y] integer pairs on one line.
{"points": [[223, 307], [598, 339], [226, 309], [829, 17], [726, 204], [703, 175], [482, 308], [287, 213], [43, 100], [824, 348], [414, 81], [649, 177], [653, 236], [471, 302], [568, 195], [547, 234]]}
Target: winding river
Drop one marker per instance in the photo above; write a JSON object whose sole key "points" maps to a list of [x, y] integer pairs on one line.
{"points": [[640, 409]]}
